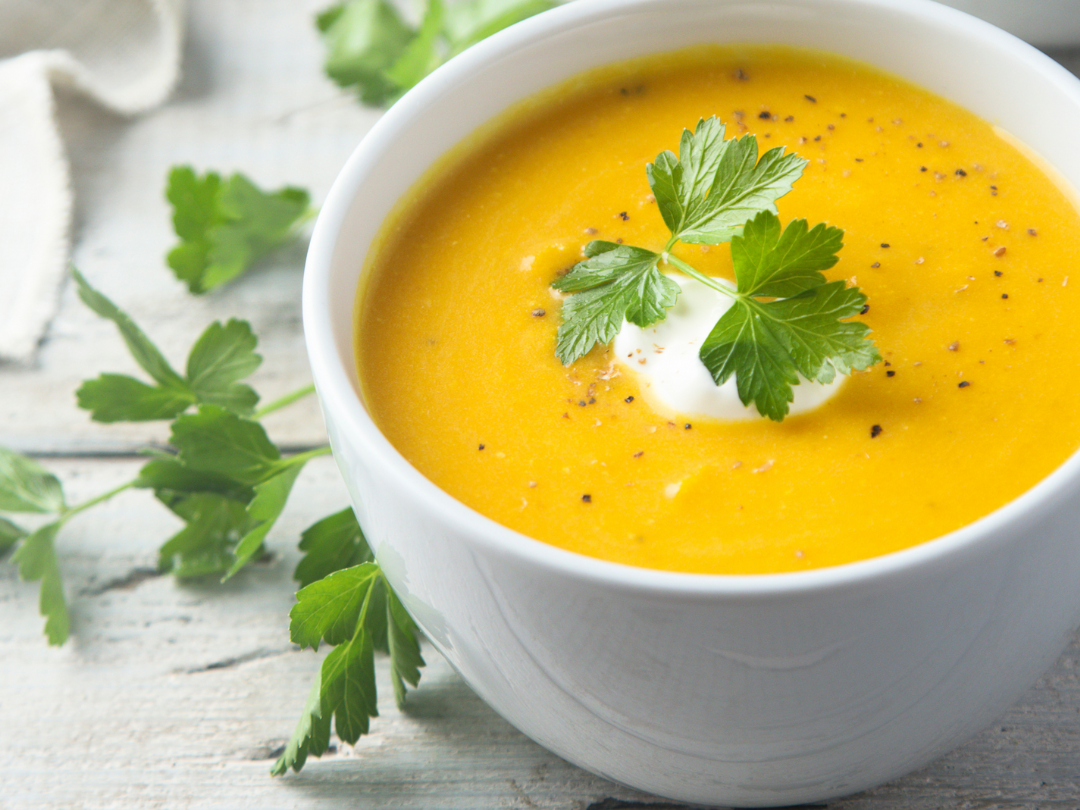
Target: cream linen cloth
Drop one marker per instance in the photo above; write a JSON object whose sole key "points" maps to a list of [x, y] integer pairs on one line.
{"points": [[124, 54]]}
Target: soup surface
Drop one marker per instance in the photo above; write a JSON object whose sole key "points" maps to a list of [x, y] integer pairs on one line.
{"points": [[963, 245]]}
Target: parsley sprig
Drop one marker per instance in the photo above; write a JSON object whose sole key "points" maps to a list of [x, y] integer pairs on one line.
{"points": [[227, 225], [370, 47], [223, 476], [27, 487], [356, 612], [786, 319]]}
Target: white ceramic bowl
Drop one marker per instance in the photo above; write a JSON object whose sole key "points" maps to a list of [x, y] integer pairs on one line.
{"points": [[753, 690]]}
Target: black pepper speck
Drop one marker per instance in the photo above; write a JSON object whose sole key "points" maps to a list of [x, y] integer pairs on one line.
{"points": [[586, 498], [875, 431]]}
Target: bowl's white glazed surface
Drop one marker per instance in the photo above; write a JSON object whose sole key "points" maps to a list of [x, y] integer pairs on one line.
{"points": [[755, 690]]}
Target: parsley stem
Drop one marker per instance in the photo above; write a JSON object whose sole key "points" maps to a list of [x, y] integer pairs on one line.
{"points": [[281, 402], [74, 510], [306, 217], [303, 458], [364, 608], [704, 279]]}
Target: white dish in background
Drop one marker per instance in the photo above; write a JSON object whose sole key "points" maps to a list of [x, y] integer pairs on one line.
{"points": [[752, 690], [1046, 23]]}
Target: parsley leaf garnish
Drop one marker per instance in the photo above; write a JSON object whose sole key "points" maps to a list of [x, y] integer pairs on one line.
{"points": [[214, 524], [36, 558], [222, 356], [371, 48], [228, 482], [716, 185], [356, 612], [235, 453], [764, 343], [225, 226], [221, 474], [469, 21], [224, 477], [615, 283], [215, 441], [786, 319], [364, 38], [27, 487], [10, 534], [335, 542]]}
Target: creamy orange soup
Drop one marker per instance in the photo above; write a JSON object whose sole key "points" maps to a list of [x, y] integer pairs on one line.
{"points": [[963, 245]]}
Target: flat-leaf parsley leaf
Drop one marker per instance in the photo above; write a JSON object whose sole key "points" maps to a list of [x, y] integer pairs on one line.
{"points": [[220, 358], [715, 185], [226, 225], [371, 48], [786, 319], [766, 344], [335, 542], [616, 283], [354, 610]]}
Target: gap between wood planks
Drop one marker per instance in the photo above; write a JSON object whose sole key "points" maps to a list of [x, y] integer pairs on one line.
{"points": [[106, 450]]}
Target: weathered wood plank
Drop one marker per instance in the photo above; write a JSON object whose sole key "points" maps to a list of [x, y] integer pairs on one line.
{"points": [[253, 98], [179, 695]]}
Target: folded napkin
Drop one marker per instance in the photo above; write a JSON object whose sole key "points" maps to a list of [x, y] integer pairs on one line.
{"points": [[124, 54]]}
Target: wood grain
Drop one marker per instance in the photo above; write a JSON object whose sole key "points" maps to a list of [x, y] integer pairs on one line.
{"points": [[179, 695]]}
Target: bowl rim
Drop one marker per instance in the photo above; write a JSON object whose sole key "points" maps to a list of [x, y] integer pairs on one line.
{"points": [[338, 395]]}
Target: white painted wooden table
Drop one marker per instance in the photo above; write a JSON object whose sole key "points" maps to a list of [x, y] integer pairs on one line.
{"points": [[179, 695]]}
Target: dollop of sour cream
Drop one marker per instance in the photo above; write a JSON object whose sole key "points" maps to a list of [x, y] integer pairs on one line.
{"points": [[672, 376]]}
